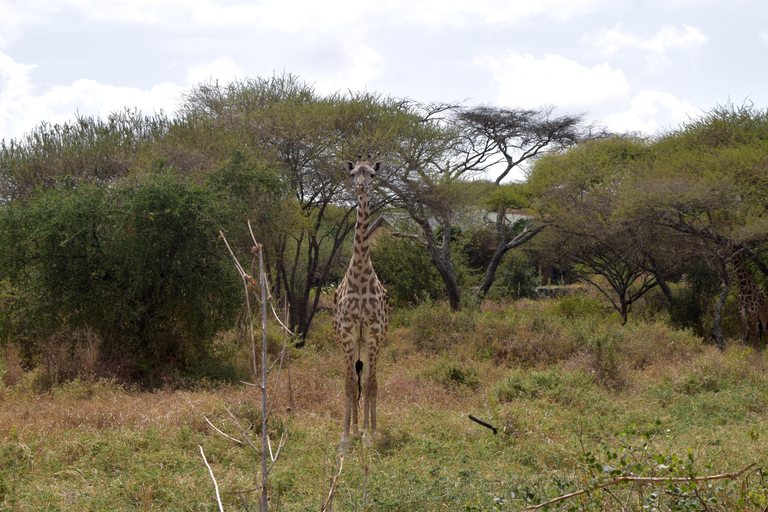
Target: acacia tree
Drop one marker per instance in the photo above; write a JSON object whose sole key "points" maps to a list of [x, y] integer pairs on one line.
{"points": [[707, 184], [510, 138], [578, 195], [284, 121], [425, 172], [88, 150], [428, 179]]}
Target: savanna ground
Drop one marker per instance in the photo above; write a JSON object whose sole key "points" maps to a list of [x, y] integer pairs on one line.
{"points": [[577, 399]]}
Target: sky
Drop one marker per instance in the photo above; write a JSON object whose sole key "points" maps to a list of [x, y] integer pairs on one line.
{"points": [[644, 66]]}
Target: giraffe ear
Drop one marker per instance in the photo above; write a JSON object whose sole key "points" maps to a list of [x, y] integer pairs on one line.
{"points": [[348, 165], [377, 166]]}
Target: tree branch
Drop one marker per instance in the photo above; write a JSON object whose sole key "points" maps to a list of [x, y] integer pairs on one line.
{"points": [[412, 237], [643, 480], [215, 484]]}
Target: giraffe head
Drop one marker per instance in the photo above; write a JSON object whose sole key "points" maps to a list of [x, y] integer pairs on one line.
{"points": [[362, 172]]}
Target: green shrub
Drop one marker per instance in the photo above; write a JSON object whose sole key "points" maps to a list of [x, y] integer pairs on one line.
{"points": [[453, 375], [579, 305], [140, 265], [435, 327], [405, 268], [517, 277], [554, 383]]}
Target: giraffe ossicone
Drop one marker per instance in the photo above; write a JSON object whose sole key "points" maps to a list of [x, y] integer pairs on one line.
{"points": [[360, 313]]}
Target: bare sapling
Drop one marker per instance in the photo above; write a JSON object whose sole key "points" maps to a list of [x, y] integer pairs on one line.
{"points": [[266, 453]]}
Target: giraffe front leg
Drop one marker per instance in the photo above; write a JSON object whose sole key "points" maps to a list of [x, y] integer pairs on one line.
{"points": [[371, 391], [744, 338], [369, 413], [756, 332], [350, 412]]}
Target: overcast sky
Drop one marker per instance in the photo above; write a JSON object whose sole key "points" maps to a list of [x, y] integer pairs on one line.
{"points": [[636, 65]]}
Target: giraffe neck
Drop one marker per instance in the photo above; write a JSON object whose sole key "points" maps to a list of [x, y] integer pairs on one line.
{"points": [[742, 274], [361, 258]]}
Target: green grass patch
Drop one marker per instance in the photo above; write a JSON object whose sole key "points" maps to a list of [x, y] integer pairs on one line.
{"points": [[577, 400]]}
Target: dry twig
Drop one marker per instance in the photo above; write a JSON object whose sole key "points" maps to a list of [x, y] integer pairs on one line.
{"points": [[481, 422], [326, 506], [644, 480], [220, 432], [215, 484]]}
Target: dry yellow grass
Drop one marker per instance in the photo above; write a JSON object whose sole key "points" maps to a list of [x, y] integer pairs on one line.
{"points": [[103, 446]]}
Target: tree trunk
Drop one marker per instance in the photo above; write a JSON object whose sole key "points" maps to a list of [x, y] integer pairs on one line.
{"points": [[660, 280], [626, 304], [441, 258], [490, 272], [451, 286], [503, 247]]}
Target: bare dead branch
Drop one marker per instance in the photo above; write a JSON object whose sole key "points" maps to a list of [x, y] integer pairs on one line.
{"points": [[329, 500], [242, 431], [222, 433], [412, 237], [247, 281], [481, 422], [215, 484], [283, 439], [644, 480]]}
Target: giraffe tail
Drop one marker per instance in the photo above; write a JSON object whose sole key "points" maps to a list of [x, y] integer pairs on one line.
{"points": [[359, 370]]}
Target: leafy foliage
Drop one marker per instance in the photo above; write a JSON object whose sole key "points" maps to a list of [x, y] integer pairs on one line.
{"points": [[630, 470], [518, 277], [403, 266], [139, 265], [89, 150]]}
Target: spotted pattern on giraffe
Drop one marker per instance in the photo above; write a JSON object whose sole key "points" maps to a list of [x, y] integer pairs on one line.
{"points": [[752, 302], [360, 314]]}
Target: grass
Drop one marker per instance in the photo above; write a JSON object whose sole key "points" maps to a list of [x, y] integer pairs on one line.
{"points": [[568, 387]]}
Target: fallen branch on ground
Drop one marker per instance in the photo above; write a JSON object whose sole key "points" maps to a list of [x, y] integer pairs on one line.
{"points": [[643, 480], [481, 422]]}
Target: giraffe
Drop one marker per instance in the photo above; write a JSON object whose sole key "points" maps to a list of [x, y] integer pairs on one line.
{"points": [[360, 313], [752, 301]]}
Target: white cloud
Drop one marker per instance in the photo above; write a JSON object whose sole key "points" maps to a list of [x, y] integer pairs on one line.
{"points": [[667, 38], [92, 98], [651, 112], [22, 109], [362, 66], [673, 38], [294, 16], [611, 40], [16, 102], [656, 48], [275, 15], [223, 69], [16, 17], [462, 12], [764, 36], [529, 82]]}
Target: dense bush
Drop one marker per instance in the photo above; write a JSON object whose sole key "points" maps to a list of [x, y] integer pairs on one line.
{"points": [[140, 265], [693, 303], [405, 269], [518, 277]]}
